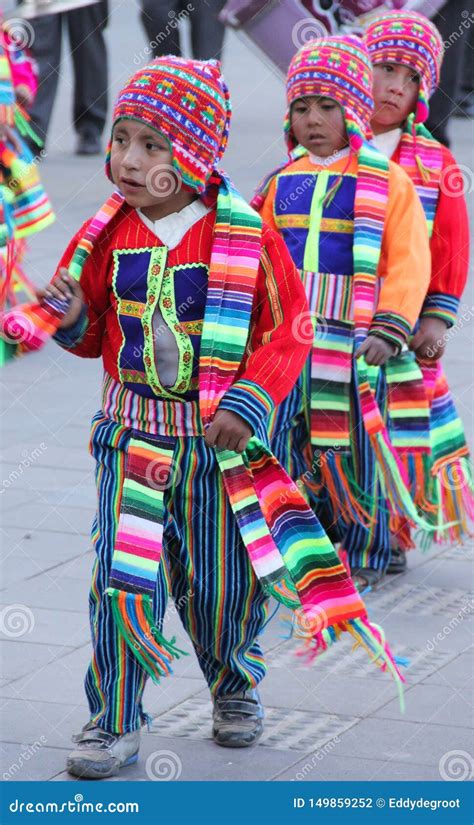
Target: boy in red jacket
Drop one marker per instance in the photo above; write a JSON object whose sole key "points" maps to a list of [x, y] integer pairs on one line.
{"points": [[192, 303]]}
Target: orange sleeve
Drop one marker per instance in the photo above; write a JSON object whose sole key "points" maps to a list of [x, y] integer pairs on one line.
{"points": [[267, 211], [405, 261]]}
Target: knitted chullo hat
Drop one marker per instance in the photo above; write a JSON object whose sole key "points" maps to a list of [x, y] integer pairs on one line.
{"points": [[412, 40], [188, 102], [337, 67]]}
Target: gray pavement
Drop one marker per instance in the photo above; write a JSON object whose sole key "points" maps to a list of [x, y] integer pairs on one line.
{"points": [[338, 719]]}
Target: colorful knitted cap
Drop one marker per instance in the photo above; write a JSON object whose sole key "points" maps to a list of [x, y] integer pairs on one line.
{"points": [[412, 40], [188, 102], [337, 67]]}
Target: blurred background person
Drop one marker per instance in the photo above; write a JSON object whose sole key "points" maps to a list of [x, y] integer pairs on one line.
{"points": [[455, 22], [162, 19], [85, 21]]}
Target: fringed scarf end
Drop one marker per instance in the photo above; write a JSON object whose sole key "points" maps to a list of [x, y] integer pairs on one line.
{"points": [[337, 477], [371, 637], [133, 616]]}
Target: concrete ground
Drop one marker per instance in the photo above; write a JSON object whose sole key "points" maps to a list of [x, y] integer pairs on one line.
{"points": [[338, 719]]}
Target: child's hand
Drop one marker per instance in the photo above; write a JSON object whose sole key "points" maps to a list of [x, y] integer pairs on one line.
{"points": [[229, 432], [64, 288], [7, 135], [430, 340], [23, 95], [377, 351]]}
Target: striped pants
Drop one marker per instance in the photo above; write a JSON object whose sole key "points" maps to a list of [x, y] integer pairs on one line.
{"points": [[205, 565]]}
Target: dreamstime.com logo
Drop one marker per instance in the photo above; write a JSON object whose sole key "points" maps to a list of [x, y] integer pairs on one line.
{"points": [[73, 806]]}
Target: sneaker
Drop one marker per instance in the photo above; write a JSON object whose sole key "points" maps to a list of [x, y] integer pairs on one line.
{"points": [[100, 754], [237, 719]]}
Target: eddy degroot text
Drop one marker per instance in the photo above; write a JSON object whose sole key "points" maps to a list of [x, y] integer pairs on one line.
{"points": [[381, 802]]}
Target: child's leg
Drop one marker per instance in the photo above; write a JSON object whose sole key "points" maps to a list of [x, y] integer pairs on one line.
{"points": [[219, 600], [115, 679]]}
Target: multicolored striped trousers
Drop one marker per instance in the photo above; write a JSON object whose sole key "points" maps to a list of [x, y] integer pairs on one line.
{"points": [[206, 568]]}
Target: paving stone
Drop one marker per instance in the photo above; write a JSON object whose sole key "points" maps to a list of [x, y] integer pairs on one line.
{"points": [[59, 627], [37, 550], [325, 692], [35, 763], [27, 658], [49, 589], [321, 767], [458, 673], [40, 517], [434, 703], [24, 722], [61, 681], [401, 741]]}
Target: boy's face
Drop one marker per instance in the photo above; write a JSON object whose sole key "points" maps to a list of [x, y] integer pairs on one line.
{"points": [[141, 165], [318, 125], [396, 90]]}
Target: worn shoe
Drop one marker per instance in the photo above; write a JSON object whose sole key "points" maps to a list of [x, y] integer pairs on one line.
{"points": [[100, 754], [398, 562], [88, 144], [237, 719]]}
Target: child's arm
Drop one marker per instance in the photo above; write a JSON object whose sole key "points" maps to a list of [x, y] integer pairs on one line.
{"points": [[449, 263], [267, 209], [83, 336], [280, 339], [405, 263]]}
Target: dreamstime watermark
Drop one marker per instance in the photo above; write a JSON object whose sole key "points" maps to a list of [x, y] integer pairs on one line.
{"points": [[466, 315], [16, 327], [24, 464], [14, 183], [172, 25], [295, 194], [160, 475], [456, 766], [175, 606], [309, 622], [316, 757], [465, 611], [306, 30], [309, 326], [163, 766], [457, 180], [21, 32], [16, 620], [464, 26], [23, 758], [73, 806], [163, 180]]}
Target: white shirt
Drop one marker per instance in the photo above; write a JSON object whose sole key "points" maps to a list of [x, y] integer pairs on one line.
{"points": [[388, 142], [172, 229], [328, 161]]}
